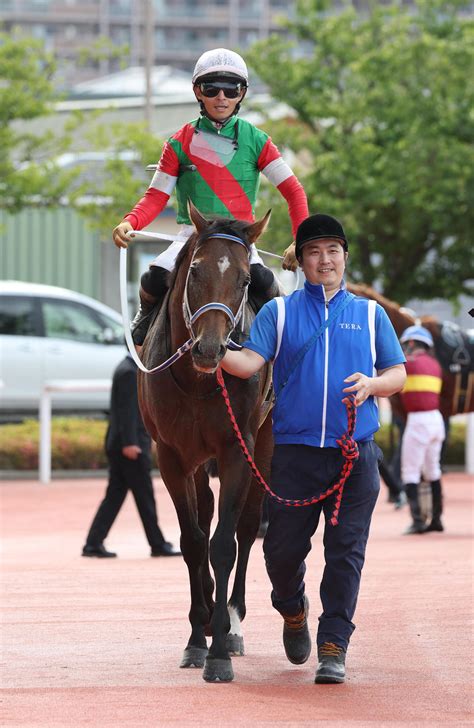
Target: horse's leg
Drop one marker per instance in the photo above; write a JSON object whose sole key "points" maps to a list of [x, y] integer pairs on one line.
{"points": [[234, 485], [247, 530], [205, 500], [194, 547]]}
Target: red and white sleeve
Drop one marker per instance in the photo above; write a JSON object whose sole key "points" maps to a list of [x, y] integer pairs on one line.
{"points": [[280, 174], [158, 193]]}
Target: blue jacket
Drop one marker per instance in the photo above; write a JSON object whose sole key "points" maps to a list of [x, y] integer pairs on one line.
{"points": [[309, 408]]}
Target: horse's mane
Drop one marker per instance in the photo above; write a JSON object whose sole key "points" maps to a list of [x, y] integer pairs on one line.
{"points": [[239, 228], [362, 289]]}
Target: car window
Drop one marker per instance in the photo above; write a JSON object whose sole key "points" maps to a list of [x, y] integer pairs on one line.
{"points": [[112, 331], [17, 316], [69, 320]]}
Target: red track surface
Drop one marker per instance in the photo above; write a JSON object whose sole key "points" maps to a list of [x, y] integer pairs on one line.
{"points": [[98, 642]]}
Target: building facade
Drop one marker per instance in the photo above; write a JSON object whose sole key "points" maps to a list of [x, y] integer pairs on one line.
{"points": [[182, 29]]}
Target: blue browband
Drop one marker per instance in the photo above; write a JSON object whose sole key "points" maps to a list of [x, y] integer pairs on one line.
{"points": [[234, 239]]}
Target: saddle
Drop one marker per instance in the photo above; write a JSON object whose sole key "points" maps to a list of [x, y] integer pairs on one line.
{"points": [[454, 349]]}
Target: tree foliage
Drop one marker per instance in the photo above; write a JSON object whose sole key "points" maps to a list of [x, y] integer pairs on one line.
{"points": [[27, 169], [107, 196], [382, 117]]}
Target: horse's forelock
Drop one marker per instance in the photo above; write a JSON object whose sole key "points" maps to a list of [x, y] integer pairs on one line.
{"points": [[238, 228]]}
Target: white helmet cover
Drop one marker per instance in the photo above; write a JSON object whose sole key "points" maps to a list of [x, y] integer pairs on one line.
{"points": [[417, 333], [220, 60]]}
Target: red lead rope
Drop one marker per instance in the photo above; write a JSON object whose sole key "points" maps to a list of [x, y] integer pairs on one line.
{"points": [[348, 445]]}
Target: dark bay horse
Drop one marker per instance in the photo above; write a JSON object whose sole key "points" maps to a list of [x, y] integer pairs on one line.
{"points": [[185, 414], [453, 349]]}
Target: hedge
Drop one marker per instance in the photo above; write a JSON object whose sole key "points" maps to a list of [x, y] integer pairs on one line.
{"points": [[78, 444]]}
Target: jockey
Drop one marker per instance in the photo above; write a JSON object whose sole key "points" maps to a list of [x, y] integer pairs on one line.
{"points": [[424, 431], [215, 161]]}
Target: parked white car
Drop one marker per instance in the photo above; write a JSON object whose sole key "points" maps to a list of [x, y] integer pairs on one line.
{"points": [[50, 333]]}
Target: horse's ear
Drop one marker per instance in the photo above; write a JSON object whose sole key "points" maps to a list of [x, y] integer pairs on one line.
{"points": [[254, 231], [199, 221]]}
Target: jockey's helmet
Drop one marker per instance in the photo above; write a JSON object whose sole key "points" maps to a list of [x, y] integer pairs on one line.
{"points": [[417, 333], [316, 227], [220, 63]]}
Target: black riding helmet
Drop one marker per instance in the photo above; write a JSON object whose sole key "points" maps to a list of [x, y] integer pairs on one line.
{"points": [[317, 227]]}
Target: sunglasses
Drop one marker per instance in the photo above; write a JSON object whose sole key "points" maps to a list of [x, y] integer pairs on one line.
{"points": [[211, 90]]}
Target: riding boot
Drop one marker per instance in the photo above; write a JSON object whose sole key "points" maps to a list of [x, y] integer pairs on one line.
{"points": [[142, 320], [437, 496], [154, 285], [417, 525]]}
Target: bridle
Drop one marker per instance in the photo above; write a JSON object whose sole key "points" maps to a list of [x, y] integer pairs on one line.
{"points": [[191, 318]]}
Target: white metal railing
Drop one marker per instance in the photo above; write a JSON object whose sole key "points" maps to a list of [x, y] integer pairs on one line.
{"points": [[49, 389], [104, 385]]}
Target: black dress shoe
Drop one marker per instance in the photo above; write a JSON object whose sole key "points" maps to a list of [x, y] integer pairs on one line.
{"points": [[166, 549], [414, 528], [100, 551], [331, 664], [435, 525], [296, 637]]}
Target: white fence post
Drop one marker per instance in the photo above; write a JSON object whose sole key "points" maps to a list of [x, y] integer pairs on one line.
{"points": [[470, 444], [50, 387], [45, 437]]}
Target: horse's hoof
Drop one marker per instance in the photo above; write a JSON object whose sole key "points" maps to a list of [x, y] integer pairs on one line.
{"points": [[235, 644], [218, 670], [194, 657]]}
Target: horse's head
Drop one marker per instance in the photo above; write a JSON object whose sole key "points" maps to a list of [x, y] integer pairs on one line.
{"points": [[216, 285]]}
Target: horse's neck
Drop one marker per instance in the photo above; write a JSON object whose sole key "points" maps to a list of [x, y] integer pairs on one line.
{"points": [[400, 319]]}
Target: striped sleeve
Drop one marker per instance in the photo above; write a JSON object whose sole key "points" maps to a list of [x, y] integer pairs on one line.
{"points": [[158, 193], [280, 174]]}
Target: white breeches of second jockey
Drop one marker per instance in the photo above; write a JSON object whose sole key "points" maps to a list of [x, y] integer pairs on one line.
{"points": [[421, 446], [167, 258]]}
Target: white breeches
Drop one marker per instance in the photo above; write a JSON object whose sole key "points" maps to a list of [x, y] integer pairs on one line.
{"points": [[167, 258], [421, 446]]}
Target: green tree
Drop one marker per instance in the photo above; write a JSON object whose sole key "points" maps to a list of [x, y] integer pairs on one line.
{"points": [[28, 173], [107, 196], [382, 117]]}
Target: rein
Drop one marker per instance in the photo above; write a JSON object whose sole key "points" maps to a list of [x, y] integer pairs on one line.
{"points": [[349, 448], [126, 325]]}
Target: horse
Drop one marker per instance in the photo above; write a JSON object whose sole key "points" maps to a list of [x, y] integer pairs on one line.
{"points": [[453, 348], [186, 416]]}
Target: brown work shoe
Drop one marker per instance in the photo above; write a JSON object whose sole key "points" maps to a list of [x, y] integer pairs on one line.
{"points": [[331, 664], [296, 637]]}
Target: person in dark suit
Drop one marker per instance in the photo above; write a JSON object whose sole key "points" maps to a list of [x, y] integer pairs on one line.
{"points": [[128, 448]]}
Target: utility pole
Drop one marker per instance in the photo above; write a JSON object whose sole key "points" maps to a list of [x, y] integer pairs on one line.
{"points": [[148, 34]]}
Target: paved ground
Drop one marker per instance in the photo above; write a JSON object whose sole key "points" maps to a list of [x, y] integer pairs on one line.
{"points": [[90, 642]]}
